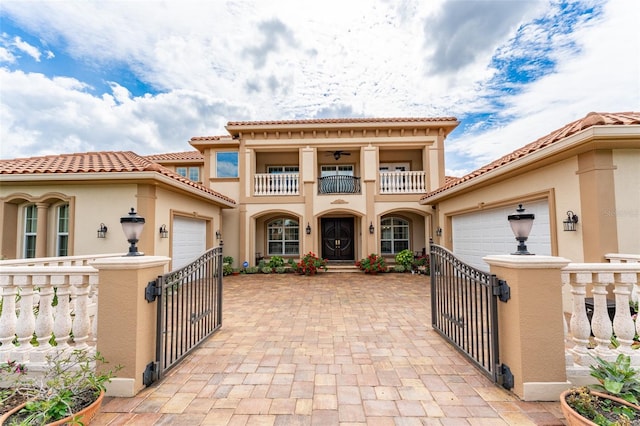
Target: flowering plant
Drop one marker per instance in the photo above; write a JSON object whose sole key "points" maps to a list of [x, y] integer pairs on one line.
{"points": [[372, 263], [310, 264]]}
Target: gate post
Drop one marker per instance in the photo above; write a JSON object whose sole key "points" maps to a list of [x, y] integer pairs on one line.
{"points": [[126, 321], [530, 324]]}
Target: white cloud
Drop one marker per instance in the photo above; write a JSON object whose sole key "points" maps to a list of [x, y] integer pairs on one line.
{"points": [[27, 48]]}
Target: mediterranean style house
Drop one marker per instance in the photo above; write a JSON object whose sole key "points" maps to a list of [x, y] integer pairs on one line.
{"points": [[341, 188]]}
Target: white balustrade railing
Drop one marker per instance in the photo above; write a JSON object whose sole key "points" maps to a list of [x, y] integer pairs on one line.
{"points": [[398, 182], [276, 184], [606, 282], [622, 258], [57, 261], [43, 305]]}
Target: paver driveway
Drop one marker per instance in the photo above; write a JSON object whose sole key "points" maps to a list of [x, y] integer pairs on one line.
{"points": [[337, 348]]}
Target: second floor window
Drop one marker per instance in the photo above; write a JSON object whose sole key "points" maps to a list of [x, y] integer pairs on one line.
{"points": [[282, 169], [191, 173], [30, 231], [62, 231], [394, 236], [283, 237], [227, 164]]}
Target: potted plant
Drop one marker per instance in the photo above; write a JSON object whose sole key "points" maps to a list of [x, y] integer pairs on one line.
{"points": [[70, 391], [310, 264], [372, 264], [613, 401]]}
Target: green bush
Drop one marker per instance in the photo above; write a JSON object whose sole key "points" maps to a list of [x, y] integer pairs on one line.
{"points": [[399, 268], [405, 258], [252, 270], [227, 269], [276, 262], [228, 260], [280, 269], [265, 270]]}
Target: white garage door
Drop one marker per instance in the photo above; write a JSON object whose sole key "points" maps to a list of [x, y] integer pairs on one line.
{"points": [[189, 240], [476, 235]]}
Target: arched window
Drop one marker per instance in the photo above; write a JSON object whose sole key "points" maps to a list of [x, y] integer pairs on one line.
{"points": [[394, 236], [283, 237]]}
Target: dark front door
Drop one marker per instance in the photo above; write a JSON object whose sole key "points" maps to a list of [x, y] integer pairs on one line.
{"points": [[337, 238]]}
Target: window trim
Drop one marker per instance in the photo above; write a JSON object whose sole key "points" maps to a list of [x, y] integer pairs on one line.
{"points": [[30, 235], [237, 165], [393, 240], [283, 241], [59, 233]]}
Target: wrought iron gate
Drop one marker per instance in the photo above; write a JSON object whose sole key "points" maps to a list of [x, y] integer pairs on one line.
{"points": [[464, 311], [189, 310]]}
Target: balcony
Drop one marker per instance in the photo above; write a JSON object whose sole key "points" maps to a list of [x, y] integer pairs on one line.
{"points": [[339, 185], [399, 182], [278, 184]]}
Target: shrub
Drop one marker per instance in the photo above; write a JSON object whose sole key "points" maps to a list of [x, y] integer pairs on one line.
{"points": [[280, 269], [372, 263], [275, 262], [228, 260], [405, 258], [252, 270], [399, 268], [310, 264], [227, 269], [266, 270]]}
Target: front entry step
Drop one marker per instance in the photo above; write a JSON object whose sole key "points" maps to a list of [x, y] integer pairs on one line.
{"points": [[342, 267]]}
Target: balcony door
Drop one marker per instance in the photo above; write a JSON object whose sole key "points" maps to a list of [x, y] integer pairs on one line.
{"points": [[337, 238]]}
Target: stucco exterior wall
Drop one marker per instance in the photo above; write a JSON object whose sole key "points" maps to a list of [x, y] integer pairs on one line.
{"points": [[627, 194], [556, 182]]}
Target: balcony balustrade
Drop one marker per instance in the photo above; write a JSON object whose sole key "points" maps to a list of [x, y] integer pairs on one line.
{"points": [[339, 185], [276, 184], [399, 182]]}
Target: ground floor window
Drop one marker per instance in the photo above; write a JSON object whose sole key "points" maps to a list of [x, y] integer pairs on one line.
{"points": [[30, 230], [394, 236], [283, 237], [62, 231]]}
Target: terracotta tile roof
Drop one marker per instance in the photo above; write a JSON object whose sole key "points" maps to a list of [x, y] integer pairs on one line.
{"points": [[590, 120], [342, 120], [97, 162], [225, 138], [176, 156]]}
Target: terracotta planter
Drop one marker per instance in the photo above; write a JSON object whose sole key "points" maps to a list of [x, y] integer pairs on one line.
{"points": [[83, 416], [575, 419]]}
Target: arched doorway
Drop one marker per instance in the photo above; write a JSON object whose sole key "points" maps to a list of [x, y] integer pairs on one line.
{"points": [[338, 238]]}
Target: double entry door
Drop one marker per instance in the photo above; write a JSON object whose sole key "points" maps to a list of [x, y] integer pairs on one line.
{"points": [[337, 238]]}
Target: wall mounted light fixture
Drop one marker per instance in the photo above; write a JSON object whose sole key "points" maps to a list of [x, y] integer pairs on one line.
{"points": [[163, 231], [218, 234], [570, 222], [521, 224], [439, 232], [372, 229], [308, 229], [102, 231]]}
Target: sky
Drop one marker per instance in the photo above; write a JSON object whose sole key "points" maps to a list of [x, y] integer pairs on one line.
{"points": [[146, 76]]}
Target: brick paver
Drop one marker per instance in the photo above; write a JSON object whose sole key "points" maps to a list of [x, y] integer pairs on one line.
{"points": [[337, 348]]}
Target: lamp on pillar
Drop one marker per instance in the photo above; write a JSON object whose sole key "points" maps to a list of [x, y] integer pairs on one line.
{"points": [[102, 231], [372, 229], [521, 224], [308, 229], [132, 225], [439, 232]]}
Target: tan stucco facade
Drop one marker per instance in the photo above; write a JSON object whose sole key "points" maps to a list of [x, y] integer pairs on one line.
{"points": [[354, 148], [595, 174]]}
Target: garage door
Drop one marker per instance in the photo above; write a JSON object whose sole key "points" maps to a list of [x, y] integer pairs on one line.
{"points": [[476, 235], [189, 240]]}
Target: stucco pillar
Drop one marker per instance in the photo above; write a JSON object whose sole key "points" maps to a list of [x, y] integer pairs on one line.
{"points": [[530, 324], [126, 321], [41, 238]]}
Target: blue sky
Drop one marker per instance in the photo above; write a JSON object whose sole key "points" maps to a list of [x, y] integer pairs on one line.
{"points": [[147, 76]]}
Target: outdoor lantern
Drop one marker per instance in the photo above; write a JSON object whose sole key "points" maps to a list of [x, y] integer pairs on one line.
{"points": [[102, 231], [371, 228], [439, 232], [569, 223], [132, 225], [521, 224], [308, 229], [163, 231], [218, 234]]}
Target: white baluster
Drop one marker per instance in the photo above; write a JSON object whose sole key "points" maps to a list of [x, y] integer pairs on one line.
{"points": [[8, 318], [623, 326], [26, 319], [580, 328], [601, 323], [62, 315], [44, 321], [81, 323]]}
